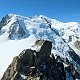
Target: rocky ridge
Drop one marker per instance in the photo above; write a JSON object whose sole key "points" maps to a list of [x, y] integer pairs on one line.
{"points": [[39, 64]]}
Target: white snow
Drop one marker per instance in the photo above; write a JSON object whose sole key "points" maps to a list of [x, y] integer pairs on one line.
{"points": [[12, 48]]}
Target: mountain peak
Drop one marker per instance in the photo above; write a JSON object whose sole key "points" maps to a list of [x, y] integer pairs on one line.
{"points": [[11, 15]]}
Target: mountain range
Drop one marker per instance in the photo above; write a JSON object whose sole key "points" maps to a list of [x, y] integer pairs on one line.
{"points": [[18, 33]]}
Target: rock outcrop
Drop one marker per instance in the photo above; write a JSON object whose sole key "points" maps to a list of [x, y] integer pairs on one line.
{"points": [[36, 65]]}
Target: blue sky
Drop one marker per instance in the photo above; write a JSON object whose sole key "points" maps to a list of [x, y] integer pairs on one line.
{"points": [[62, 10]]}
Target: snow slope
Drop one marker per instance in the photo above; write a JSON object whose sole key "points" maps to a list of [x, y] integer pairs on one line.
{"points": [[12, 48], [19, 32]]}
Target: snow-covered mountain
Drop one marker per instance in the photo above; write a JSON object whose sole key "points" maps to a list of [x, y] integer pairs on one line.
{"points": [[19, 32]]}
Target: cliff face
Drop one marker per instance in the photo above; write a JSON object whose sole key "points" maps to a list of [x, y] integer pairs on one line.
{"points": [[38, 65]]}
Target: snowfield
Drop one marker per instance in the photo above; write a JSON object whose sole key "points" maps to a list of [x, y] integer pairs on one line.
{"points": [[12, 48]]}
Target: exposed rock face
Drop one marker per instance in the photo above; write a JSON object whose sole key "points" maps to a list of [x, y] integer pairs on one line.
{"points": [[33, 65], [16, 30], [5, 20], [77, 44]]}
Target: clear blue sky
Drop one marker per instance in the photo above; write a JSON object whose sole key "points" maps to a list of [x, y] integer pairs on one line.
{"points": [[62, 10]]}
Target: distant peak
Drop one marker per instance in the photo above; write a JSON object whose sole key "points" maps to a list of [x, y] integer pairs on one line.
{"points": [[11, 14]]}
